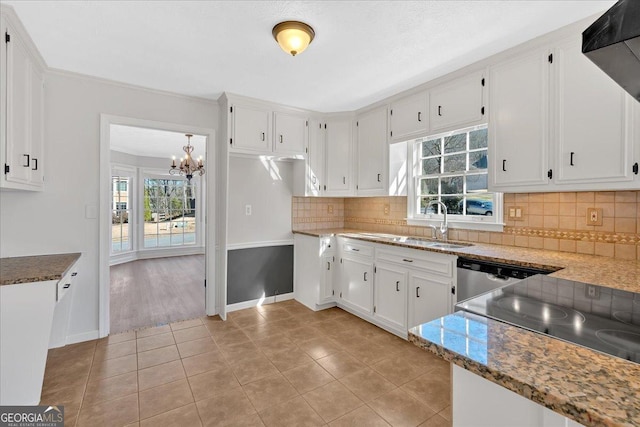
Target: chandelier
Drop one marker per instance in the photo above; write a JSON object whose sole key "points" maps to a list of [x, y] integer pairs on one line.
{"points": [[187, 166]]}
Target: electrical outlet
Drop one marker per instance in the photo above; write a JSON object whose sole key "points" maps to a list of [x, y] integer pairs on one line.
{"points": [[387, 208], [330, 209], [247, 210], [518, 213], [512, 212], [592, 292], [594, 216]]}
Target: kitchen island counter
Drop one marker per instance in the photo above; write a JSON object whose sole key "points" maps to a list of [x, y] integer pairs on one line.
{"points": [[587, 386], [39, 268]]}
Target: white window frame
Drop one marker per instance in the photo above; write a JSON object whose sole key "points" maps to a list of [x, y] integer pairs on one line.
{"points": [[469, 222], [130, 172]]}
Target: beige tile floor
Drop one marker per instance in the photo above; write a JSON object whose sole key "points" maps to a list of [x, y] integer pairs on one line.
{"points": [[276, 365]]}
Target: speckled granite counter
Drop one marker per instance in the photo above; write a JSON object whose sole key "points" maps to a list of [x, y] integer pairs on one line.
{"points": [[38, 268], [587, 386], [613, 273]]}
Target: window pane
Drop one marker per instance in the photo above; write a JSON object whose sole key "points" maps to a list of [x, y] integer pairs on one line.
{"points": [[480, 205], [453, 204], [431, 166], [478, 160], [478, 139], [477, 183], [429, 186], [455, 163], [452, 185], [431, 148], [424, 205], [455, 143]]}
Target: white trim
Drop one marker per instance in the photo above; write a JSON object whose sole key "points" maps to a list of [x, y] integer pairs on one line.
{"points": [[106, 120], [265, 244], [156, 253], [256, 302], [84, 336]]}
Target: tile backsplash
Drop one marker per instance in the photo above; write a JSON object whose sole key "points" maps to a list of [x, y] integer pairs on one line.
{"points": [[555, 221]]}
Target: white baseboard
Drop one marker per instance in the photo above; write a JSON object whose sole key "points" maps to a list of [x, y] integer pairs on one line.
{"points": [[84, 336], [256, 302]]}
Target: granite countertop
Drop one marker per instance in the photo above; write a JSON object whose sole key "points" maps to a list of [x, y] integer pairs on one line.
{"points": [[603, 271], [589, 387], [39, 268]]}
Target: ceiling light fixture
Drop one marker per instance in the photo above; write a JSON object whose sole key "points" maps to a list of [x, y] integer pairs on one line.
{"points": [[187, 165], [293, 36]]}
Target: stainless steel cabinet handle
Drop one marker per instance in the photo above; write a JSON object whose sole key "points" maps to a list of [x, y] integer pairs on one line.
{"points": [[28, 162], [365, 276], [35, 168], [280, 139], [328, 265], [407, 260], [344, 180], [398, 286], [263, 136], [417, 291]]}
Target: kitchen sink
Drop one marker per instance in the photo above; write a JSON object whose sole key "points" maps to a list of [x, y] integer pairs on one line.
{"points": [[417, 241], [439, 245]]}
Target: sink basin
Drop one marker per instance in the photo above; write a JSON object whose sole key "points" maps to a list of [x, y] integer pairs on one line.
{"points": [[424, 242], [448, 245]]}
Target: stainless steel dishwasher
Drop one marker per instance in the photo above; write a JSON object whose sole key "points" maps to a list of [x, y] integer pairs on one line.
{"points": [[477, 277]]}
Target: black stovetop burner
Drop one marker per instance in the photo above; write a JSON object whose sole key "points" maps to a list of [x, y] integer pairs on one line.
{"points": [[600, 318]]}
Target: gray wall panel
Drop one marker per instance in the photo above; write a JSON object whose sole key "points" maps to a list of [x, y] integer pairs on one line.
{"points": [[254, 272]]}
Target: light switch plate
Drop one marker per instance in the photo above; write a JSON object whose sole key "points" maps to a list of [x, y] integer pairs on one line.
{"points": [[387, 208], [330, 209], [594, 216]]}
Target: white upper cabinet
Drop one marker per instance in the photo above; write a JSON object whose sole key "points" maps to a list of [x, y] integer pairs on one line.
{"points": [[291, 133], [316, 158], [338, 157], [372, 154], [22, 110], [457, 104], [250, 128], [408, 117], [519, 122], [593, 136]]}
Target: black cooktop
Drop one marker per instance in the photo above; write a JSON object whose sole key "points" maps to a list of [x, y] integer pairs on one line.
{"points": [[600, 318]]}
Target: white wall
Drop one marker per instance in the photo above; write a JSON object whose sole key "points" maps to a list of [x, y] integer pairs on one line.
{"points": [[267, 186], [54, 221]]}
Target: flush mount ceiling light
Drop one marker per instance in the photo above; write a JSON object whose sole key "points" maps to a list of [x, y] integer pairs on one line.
{"points": [[293, 36], [188, 166]]}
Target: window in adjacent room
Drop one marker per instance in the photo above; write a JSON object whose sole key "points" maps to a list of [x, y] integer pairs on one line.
{"points": [[121, 215], [453, 168]]}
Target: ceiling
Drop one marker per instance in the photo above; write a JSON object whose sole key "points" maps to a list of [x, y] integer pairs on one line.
{"points": [[153, 143], [364, 51]]}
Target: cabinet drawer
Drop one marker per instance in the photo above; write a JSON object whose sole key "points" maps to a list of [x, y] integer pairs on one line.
{"points": [[64, 285], [434, 263], [351, 247]]}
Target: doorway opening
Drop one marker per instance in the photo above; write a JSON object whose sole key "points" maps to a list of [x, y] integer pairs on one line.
{"points": [[154, 243]]}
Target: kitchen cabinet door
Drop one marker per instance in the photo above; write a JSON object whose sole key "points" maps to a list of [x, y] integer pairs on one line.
{"points": [[372, 153], [408, 117], [313, 271], [429, 297], [457, 104], [18, 75], [326, 288], [519, 122], [390, 295], [338, 160], [594, 128], [316, 158], [357, 284], [251, 127], [37, 128], [291, 134]]}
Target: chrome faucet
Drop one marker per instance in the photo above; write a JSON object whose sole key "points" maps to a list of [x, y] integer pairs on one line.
{"points": [[444, 225]]}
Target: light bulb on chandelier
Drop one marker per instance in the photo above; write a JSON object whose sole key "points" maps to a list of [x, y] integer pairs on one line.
{"points": [[187, 165]]}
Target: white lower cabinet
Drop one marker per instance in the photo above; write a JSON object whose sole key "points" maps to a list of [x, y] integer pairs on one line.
{"points": [[478, 402], [430, 297], [390, 295], [357, 283], [314, 259]]}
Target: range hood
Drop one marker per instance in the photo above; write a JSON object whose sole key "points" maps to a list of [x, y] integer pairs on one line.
{"points": [[613, 44]]}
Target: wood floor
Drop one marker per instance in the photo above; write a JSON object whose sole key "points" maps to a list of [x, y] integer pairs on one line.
{"points": [[157, 291]]}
